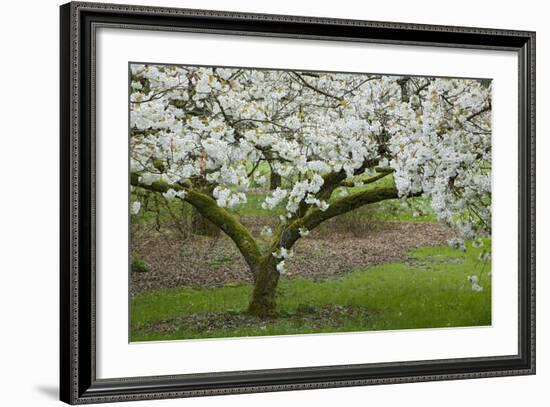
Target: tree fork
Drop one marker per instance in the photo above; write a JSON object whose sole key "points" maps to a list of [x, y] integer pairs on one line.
{"points": [[264, 267], [208, 208]]}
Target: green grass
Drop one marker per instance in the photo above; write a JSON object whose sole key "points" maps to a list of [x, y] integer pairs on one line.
{"points": [[395, 210], [429, 290]]}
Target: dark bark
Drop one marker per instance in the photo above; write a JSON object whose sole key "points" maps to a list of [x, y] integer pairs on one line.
{"points": [[274, 180], [262, 303]]}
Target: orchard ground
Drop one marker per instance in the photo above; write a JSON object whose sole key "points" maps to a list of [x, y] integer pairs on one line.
{"points": [[384, 266]]}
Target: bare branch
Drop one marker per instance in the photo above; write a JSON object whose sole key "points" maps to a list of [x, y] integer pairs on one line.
{"points": [[208, 208]]}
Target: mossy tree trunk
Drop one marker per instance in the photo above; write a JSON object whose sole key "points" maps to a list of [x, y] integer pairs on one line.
{"points": [[262, 264], [266, 279]]}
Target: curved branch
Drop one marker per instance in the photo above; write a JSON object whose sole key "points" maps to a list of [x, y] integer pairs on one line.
{"points": [[333, 180], [381, 174], [208, 208], [310, 86], [315, 217]]}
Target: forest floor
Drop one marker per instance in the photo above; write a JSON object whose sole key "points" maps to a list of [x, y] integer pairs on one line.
{"points": [[201, 261]]}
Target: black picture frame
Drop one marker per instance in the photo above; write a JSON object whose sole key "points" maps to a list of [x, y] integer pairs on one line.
{"points": [[78, 382]]}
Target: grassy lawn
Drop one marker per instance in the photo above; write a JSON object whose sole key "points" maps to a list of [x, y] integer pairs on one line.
{"points": [[428, 290]]}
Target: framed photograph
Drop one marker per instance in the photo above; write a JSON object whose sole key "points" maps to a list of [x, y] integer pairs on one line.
{"points": [[254, 203]]}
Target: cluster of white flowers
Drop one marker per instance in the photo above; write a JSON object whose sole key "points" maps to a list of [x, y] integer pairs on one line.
{"points": [[276, 197], [226, 198], [474, 281], [457, 243], [171, 194], [266, 231], [207, 125], [484, 256], [281, 267], [283, 253], [135, 207], [343, 192], [477, 243], [445, 152], [305, 191]]}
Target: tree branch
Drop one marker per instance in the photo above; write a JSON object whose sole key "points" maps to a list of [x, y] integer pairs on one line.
{"points": [[381, 174], [333, 180], [486, 108], [310, 86], [208, 208], [315, 217]]}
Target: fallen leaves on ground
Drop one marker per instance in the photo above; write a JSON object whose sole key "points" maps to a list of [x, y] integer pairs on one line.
{"points": [[201, 261], [326, 316]]}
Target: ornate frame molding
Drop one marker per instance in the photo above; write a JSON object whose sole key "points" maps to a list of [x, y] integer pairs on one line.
{"points": [[79, 21]]}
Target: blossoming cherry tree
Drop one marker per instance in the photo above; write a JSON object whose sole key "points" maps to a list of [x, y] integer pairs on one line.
{"points": [[200, 134]]}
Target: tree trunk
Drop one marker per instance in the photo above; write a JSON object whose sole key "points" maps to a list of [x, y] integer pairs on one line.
{"points": [[262, 303], [274, 181], [202, 226]]}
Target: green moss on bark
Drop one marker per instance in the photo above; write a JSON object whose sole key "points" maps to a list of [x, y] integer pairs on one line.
{"points": [[208, 208]]}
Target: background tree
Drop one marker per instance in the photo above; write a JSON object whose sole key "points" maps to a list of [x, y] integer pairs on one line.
{"points": [[200, 135]]}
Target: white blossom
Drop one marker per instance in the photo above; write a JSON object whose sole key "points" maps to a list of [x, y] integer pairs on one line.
{"points": [[476, 287], [148, 178], [477, 243], [266, 231], [170, 194], [473, 279], [458, 244], [281, 268], [323, 205], [283, 253], [484, 256], [276, 197], [207, 125], [343, 192], [135, 207]]}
